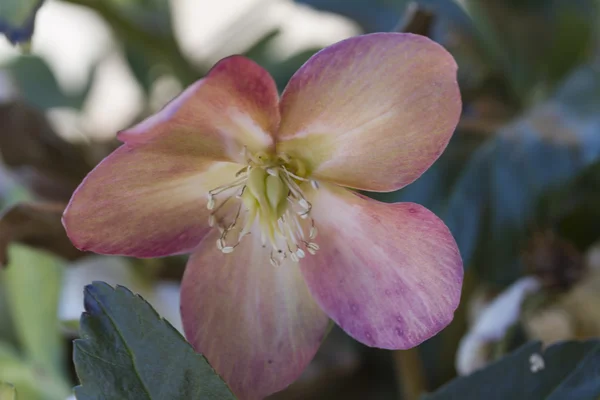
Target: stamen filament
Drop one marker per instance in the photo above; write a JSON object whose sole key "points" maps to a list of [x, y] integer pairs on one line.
{"points": [[270, 197]]}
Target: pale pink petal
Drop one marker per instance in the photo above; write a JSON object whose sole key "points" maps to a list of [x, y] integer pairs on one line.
{"points": [[234, 106], [372, 112], [144, 203], [390, 275], [256, 323]]}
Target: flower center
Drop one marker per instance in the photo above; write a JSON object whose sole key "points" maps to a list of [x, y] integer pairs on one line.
{"points": [[268, 192]]}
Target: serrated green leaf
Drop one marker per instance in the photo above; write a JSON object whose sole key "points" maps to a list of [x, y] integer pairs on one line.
{"points": [[32, 282], [127, 351], [17, 19], [568, 370]]}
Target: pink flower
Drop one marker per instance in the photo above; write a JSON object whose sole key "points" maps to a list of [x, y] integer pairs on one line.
{"points": [[253, 185]]}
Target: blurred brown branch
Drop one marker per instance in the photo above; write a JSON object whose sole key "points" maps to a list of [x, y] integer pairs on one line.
{"points": [[36, 224]]}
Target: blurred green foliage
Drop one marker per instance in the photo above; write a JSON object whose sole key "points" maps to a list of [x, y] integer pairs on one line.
{"points": [[7, 391], [17, 19], [32, 356], [525, 158]]}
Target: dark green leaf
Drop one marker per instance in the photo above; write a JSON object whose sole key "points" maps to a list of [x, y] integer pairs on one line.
{"points": [[572, 210], [17, 19], [151, 15], [283, 71], [38, 86], [569, 370], [371, 15], [534, 44], [128, 352], [280, 70], [495, 198]]}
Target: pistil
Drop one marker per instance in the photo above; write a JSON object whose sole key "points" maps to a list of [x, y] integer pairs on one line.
{"points": [[266, 193]]}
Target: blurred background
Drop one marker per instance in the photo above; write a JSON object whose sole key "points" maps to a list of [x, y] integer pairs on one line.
{"points": [[519, 184]]}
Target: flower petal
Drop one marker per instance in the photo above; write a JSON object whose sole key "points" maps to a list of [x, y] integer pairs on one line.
{"points": [[372, 112], [390, 275], [234, 106], [144, 203], [256, 324]]}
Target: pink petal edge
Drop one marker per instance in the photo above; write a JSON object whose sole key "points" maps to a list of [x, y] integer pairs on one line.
{"points": [[390, 275], [234, 106], [143, 203]]}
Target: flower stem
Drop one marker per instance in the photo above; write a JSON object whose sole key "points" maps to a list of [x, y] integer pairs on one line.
{"points": [[409, 372]]}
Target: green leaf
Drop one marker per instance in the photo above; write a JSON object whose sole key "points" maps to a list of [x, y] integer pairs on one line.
{"points": [[533, 43], [38, 86], [495, 198], [31, 382], [32, 282], [371, 15], [127, 351], [572, 210], [17, 19], [567, 370], [7, 391]]}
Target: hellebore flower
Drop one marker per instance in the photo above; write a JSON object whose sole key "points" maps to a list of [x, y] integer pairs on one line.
{"points": [[253, 185]]}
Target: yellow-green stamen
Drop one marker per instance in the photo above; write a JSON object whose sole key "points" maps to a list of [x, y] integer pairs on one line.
{"points": [[269, 194]]}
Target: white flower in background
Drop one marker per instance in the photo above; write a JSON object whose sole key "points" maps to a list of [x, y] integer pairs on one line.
{"points": [[163, 296], [491, 325]]}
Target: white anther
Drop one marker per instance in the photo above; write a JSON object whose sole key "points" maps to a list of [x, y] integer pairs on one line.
{"points": [[300, 253], [272, 172], [311, 251], [227, 249], [220, 244], [294, 257], [263, 239], [314, 184], [313, 232], [211, 220], [273, 262], [303, 215], [241, 171], [304, 204], [313, 246], [211, 202]]}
